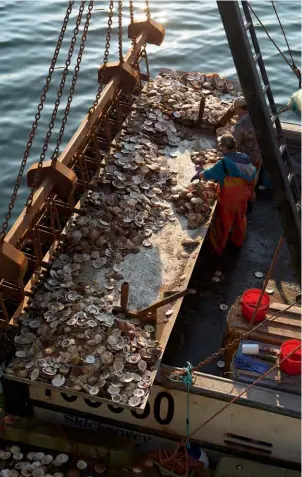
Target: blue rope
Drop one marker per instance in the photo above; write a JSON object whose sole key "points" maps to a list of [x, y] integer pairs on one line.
{"points": [[188, 381]]}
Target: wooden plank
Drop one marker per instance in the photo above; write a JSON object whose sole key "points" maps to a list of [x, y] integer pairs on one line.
{"points": [[276, 336], [273, 331], [280, 307]]}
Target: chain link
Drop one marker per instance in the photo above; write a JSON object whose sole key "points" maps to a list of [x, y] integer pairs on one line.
{"points": [[73, 83], [148, 13], [106, 55], [57, 103], [120, 31], [35, 123], [131, 11]]}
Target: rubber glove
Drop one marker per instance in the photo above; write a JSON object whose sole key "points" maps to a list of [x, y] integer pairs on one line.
{"points": [[196, 176]]}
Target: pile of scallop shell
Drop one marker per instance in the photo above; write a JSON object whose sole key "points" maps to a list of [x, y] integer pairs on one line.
{"points": [[70, 337], [14, 462], [18, 462], [180, 95], [195, 202], [208, 156]]}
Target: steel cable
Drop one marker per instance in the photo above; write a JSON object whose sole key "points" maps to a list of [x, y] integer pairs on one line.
{"points": [[293, 67]]}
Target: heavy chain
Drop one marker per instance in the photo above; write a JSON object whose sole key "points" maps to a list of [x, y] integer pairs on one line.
{"points": [[131, 11], [209, 359], [35, 123], [120, 31], [73, 83], [148, 13], [106, 55], [57, 102]]}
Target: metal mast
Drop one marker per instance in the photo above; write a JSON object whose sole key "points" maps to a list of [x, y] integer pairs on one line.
{"points": [[273, 154]]}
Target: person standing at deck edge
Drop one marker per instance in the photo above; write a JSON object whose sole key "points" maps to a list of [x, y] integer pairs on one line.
{"points": [[235, 174], [244, 132]]}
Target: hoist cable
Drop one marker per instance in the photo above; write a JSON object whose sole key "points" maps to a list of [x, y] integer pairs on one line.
{"points": [[73, 83], [293, 67], [35, 123], [282, 29], [57, 103]]}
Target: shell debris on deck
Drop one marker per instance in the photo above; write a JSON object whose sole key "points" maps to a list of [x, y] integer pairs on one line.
{"points": [[127, 230]]}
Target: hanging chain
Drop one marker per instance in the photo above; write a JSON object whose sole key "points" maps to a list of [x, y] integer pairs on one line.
{"points": [[106, 55], [120, 31], [73, 83], [131, 11], [35, 123], [57, 103], [176, 376], [148, 13]]}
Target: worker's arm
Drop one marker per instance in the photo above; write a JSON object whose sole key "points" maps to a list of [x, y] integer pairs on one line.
{"points": [[227, 116], [215, 173]]}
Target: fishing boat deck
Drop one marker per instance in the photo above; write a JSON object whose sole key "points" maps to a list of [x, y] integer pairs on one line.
{"points": [[167, 266], [163, 265]]}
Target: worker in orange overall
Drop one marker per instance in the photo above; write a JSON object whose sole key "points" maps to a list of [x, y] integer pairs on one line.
{"points": [[235, 175]]}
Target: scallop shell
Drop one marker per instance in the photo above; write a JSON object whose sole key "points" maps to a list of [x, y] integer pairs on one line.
{"points": [[62, 458], [138, 393], [107, 357], [142, 365], [134, 401], [89, 359], [99, 262], [15, 449], [58, 381], [81, 464], [47, 459], [18, 456], [27, 470], [38, 472], [169, 312], [34, 374], [94, 391]]}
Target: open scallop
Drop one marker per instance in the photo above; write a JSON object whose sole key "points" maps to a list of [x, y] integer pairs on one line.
{"points": [[38, 472], [81, 465], [58, 380], [47, 459]]}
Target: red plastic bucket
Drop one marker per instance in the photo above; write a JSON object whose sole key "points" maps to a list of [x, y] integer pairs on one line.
{"points": [[292, 364], [249, 301]]}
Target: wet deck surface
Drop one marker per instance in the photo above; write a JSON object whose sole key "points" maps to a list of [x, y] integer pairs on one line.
{"points": [[200, 326]]}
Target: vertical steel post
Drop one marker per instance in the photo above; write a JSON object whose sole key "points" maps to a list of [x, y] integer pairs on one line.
{"points": [[252, 89]]}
